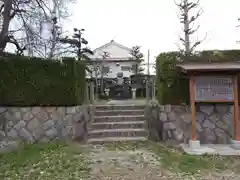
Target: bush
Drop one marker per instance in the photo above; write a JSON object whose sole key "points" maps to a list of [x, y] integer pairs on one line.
{"points": [[37, 82], [173, 86]]}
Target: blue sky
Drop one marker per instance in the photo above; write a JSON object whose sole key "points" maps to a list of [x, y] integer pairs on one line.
{"points": [[153, 24]]}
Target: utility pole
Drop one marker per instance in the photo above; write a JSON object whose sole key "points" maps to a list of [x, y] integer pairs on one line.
{"points": [[148, 74], [148, 62]]}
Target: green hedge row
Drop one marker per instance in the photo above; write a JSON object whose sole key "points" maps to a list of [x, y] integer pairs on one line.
{"points": [[41, 82], [172, 86]]}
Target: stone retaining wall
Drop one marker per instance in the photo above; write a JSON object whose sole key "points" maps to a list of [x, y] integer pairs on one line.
{"points": [[215, 123], [43, 123]]}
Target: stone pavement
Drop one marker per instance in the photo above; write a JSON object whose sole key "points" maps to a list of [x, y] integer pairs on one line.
{"points": [[212, 149], [127, 102]]}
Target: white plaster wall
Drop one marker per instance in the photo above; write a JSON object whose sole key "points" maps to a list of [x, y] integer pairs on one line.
{"points": [[114, 69]]}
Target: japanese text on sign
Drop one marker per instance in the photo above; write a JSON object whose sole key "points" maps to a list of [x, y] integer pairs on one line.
{"points": [[214, 88]]}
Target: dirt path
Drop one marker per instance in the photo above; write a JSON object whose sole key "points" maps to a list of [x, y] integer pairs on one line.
{"points": [[144, 164], [121, 165]]}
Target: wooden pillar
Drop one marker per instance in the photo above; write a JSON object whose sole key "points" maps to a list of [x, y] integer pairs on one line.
{"points": [[236, 113], [193, 108]]}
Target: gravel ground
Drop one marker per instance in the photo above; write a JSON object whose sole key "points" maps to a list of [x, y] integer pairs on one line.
{"points": [[140, 164]]}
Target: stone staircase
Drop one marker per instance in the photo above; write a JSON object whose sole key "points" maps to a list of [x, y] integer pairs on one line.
{"points": [[113, 123]]}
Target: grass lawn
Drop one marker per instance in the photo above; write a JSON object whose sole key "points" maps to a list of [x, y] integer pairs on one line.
{"points": [[176, 161], [52, 161], [56, 161]]}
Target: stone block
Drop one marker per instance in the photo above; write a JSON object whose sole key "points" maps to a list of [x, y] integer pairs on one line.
{"points": [[20, 125], [214, 117], [17, 115], [38, 133], [222, 108], [231, 109], [55, 116], [200, 117], [26, 135], [8, 146], [207, 109], [169, 126], [178, 135], [25, 109], [208, 124], [69, 117], [42, 116], [199, 127], [186, 117], [161, 108], [2, 135], [36, 110], [209, 135], [228, 119], [27, 116], [51, 133], [172, 116], [33, 124], [48, 124], [50, 109], [71, 110], [78, 117], [12, 134], [3, 109], [61, 110], [163, 116], [168, 108], [222, 125]]}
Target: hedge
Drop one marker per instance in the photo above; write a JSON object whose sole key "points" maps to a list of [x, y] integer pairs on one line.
{"points": [[41, 82], [172, 86]]}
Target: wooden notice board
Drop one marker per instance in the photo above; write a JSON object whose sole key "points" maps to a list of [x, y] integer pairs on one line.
{"points": [[214, 83], [215, 89]]}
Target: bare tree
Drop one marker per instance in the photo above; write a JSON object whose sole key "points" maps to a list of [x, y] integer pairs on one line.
{"points": [[24, 23], [185, 7]]}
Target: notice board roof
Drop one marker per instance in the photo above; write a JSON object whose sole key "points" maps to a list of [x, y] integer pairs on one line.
{"points": [[208, 67]]}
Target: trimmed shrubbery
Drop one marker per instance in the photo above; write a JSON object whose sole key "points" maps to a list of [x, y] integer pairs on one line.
{"points": [[40, 82]]}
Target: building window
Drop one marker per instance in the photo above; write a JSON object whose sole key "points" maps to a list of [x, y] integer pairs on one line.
{"points": [[125, 68]]}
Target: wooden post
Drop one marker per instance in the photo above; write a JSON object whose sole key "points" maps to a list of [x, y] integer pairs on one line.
{"points": [[236, 113], [91, 92], [87, 98], [193, 107]]}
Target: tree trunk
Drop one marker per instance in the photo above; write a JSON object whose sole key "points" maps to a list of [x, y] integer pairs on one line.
{"points": [[186, 29], [102, 88], [5, 27]]}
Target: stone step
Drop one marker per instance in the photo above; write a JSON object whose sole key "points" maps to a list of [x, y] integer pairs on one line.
{"points": [[117, 133], [119, 107], [115, 139], [119, 112], [118, 125], [99, 119]]}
